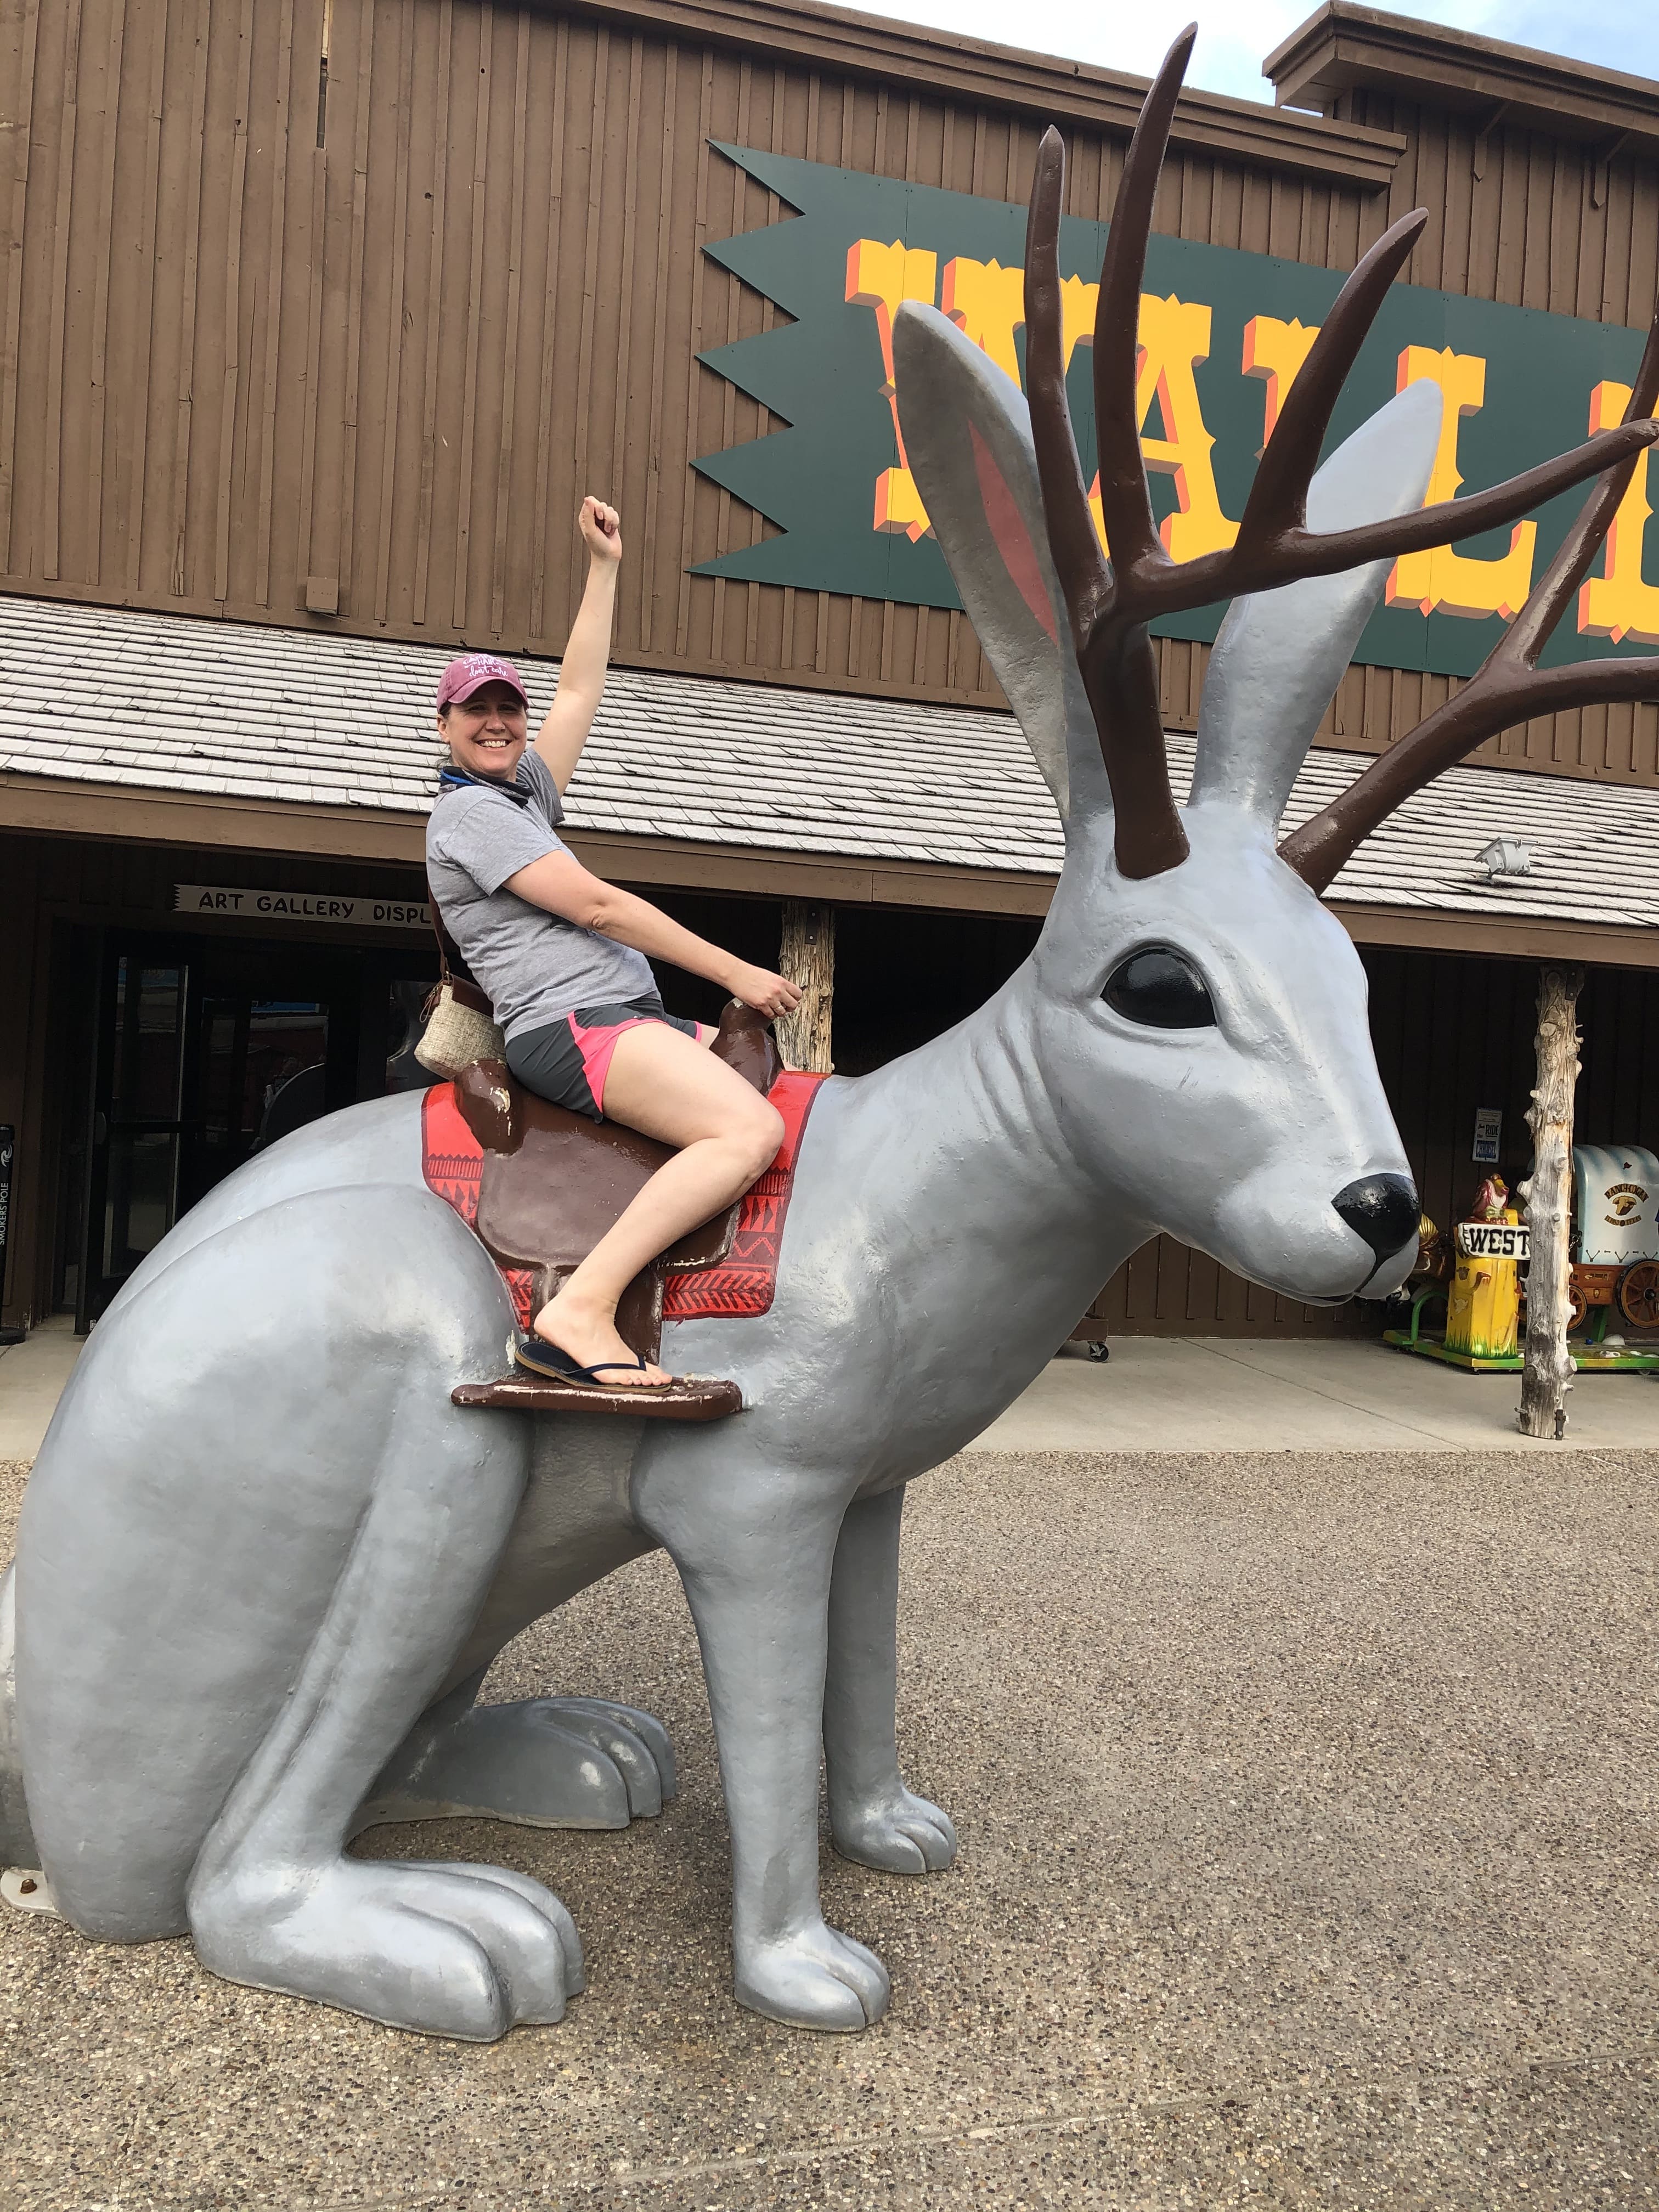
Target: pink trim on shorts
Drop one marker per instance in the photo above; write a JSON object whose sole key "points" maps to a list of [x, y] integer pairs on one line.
{"points": [[597, 1045]]}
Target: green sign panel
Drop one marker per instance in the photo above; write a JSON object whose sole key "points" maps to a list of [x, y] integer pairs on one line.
{"points": [[1223, 336]]}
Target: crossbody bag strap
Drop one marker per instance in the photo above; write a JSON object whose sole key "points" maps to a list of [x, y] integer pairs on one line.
{"points": [[451, 968]]}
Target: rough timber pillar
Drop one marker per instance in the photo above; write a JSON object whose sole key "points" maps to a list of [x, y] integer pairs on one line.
{"points": [[808, 957], [1546, 1376]]}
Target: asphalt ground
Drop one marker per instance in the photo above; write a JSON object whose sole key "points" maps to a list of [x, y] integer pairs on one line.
{"points": [[1310, 1857]]}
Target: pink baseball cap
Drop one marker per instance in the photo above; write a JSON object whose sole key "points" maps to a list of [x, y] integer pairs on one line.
{"points": [[472, 672]]}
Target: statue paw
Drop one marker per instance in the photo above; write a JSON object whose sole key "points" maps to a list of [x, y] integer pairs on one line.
{"points": [[817, 1978], [636, 1742], [901, 1834], [545, 1762], [455, 1950]]}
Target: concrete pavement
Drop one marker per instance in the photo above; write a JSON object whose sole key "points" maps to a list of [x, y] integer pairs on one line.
{"points": [[1155, 1394], [1255, 1393], [32, 1377], [1310, 1858]]}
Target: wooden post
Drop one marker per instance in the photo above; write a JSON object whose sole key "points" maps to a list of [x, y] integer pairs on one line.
{"points": [[808, 957], [1546, 1376]]}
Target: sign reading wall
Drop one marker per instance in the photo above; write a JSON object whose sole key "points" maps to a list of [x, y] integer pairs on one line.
{"points": [[1222, 336]]}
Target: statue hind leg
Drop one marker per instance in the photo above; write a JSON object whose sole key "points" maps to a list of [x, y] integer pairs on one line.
{"points": [[540, 1762], [249, 1555], [458, 1950], [545, 1762]]}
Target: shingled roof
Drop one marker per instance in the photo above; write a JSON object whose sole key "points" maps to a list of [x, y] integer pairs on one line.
{"points": [[244, 711]]}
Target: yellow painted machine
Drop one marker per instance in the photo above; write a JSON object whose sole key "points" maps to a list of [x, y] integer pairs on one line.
{"points": [[1483, 1302], [1480, 1271]]}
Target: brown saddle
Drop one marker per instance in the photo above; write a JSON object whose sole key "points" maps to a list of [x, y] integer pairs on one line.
{"points": [[553, 1182]]}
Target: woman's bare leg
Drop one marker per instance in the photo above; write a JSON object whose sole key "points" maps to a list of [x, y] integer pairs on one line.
{"points": [[666, 1086]]}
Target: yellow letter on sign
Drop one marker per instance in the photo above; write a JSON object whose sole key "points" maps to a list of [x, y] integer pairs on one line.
{"points": [[1618, 604], [1440, 580], [884, 277], [986, 302], [1077, 301], [1275, 352], [1175, 337]]}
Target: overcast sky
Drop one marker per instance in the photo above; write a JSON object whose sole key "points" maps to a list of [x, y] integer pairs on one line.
{"points": [[1234, 35]]}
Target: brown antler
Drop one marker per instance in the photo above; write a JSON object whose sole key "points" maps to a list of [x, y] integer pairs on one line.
{"points": [[1115, 653], [1110, 607], [1509, 687]]}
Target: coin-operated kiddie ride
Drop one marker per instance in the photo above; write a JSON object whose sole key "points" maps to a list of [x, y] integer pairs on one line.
{"points": [[1481, 1278]]}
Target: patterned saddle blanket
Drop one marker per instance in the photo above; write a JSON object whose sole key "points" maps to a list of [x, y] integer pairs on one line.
{"points": [[539, 1187]]}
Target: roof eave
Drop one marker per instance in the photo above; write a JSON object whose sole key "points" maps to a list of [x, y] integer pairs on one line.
{"points": [[1346, 44], [58, 806], [1047, 88]]}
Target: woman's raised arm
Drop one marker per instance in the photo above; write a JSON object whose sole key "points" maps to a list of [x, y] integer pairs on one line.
{"points": [[587, 650]]}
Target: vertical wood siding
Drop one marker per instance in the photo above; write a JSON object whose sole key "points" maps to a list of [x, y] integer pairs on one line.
{"points": [[365, 381]]}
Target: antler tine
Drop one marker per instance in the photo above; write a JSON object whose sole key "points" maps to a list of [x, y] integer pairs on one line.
{"points": [[1509, 687], [1119, 672], [1292, 553], [1278, 496], [1125, 500], [1071, 539], [1320, 849]]}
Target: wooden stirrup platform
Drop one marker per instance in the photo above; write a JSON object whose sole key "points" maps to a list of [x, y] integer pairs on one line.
{"points": [[693, 1398]]}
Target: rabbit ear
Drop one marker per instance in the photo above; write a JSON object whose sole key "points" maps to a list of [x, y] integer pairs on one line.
{"points": [[1279, 655], [968, 439]]}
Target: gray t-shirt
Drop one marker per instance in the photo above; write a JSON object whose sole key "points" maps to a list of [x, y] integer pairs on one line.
{"points": [[536, 966]]}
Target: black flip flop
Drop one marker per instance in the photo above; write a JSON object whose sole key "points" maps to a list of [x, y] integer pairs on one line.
{"points": [[537, 1357]]}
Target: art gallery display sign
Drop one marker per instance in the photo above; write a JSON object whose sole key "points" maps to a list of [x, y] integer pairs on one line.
{"points": [[238, 902], [1223, 336]]}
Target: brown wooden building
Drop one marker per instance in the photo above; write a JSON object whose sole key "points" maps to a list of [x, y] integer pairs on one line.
{"points": [[318, 318]]}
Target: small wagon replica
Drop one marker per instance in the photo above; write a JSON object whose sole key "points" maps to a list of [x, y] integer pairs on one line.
{"points": [[1615, 1267], [1614, 1278]]}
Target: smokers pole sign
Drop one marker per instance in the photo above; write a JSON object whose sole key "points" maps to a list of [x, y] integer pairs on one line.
{"points": [[1223, 336]]}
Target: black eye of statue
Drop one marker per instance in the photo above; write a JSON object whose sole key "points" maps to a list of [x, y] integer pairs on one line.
{"points": [[1161, 989]]}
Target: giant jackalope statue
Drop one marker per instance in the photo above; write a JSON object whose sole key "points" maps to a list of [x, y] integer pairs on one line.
{"points": [[265, 1560]]}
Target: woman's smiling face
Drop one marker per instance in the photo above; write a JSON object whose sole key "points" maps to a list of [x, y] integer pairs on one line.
{"points": [[487, 733]]}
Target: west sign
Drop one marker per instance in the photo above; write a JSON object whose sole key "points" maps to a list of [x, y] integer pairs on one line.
{"points": [[1222, 335]]}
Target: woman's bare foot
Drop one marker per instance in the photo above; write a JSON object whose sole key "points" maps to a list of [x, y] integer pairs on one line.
{"points": [[587, 1334]]}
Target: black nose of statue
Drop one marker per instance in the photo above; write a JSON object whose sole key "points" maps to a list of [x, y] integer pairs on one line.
{"points": [[1381, 1208]]}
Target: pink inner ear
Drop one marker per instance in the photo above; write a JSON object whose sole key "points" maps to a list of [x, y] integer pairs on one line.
{"points": [[1013, 540]]}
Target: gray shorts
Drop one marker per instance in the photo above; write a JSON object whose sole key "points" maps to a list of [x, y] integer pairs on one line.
{"points": [[567, 1062]]}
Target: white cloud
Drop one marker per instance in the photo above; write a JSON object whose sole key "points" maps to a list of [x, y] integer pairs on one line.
{"points": [[1233, 40]]}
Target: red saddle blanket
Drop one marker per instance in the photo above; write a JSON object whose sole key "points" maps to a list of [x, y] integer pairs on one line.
{"points": [[452, 1160]]}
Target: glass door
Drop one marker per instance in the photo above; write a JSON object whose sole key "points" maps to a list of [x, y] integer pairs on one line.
{"points": [[209, 1050], [138, 1123], [261, 1070]]}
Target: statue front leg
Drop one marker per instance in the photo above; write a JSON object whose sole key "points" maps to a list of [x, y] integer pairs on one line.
{"points": [[756, 1557], [873, 1818]]}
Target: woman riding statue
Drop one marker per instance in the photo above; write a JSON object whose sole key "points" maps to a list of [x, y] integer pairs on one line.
{"points": [[563, 957]]}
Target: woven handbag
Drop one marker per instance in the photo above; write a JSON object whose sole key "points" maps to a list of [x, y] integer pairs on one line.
{"points": [[460, 1021]]}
